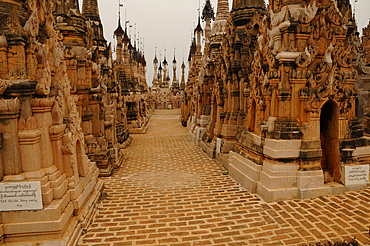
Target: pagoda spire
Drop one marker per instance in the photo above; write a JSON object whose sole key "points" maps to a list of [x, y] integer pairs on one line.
{"points": [[208, 15], [155, 66], [165, 75], [198, 32], [208, 12], [118, 33], [220, 23], [182, 83], [222, 9], [174, 63], [155, 61], [90, 10]]}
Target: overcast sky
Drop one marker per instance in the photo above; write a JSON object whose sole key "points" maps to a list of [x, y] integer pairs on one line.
{"points": [[166, 24]]}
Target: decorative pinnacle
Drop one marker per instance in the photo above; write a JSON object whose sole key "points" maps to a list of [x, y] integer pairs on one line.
{"points": [[199, 27], [208, 11], [90, 10], [222, 9], [174, 56]]}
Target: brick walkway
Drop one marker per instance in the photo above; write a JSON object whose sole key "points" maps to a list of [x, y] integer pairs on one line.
{"points": [[170, 193]]}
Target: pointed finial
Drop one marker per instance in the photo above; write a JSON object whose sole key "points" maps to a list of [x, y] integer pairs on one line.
{"points": [[174, 55], [354, 10], [119, 31], [120, 5], [143, 45]]}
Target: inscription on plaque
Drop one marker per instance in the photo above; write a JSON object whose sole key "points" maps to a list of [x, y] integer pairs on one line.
{"points": [[20, 196], [356, 174]]}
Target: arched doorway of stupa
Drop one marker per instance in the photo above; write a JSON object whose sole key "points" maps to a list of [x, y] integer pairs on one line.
{"points": [[329, 137]]}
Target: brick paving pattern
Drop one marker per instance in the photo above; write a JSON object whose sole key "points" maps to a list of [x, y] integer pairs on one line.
{"points": [[168, 192]]}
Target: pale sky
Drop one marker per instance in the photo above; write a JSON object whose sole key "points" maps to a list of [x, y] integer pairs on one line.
{"points": [[166, 24]]}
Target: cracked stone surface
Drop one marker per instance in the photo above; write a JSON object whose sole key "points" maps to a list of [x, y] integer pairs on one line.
{"points": [[168, 192]]}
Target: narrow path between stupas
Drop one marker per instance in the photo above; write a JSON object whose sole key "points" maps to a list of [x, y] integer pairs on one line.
{"points": [[168, 192]]}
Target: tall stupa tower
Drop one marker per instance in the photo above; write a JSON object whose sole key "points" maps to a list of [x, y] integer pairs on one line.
{"points": [[90, 10], [155, 75], [182, 83], [175, 82]]}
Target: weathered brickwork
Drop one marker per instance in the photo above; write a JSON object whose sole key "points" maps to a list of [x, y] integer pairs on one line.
{"points": [[169, 192]]}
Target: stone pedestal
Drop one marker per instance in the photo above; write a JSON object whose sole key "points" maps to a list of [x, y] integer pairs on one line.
{"points": [[217, 129], [101, 160], [139, 130], [198, 133], [209, 148], [311, 184], [227, 145], [282, 149], [191, 128], [278, 181], [203, 121], [284, 180], [114, 158], [228, 133], [244, 171], [272, 179]]}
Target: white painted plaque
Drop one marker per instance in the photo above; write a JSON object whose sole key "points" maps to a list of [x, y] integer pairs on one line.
{"points": [[218, 145], [20, 196], [356, 174]]}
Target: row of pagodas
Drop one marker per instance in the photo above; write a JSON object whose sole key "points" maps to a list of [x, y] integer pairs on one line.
{"points": [[272, 94], [66, 111], [167, 94]]}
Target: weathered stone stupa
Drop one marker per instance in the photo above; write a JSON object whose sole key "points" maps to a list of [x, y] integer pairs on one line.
{"points": [[63, 117], [302, 138], [283, 103], [130, 72], [42, 138]]}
